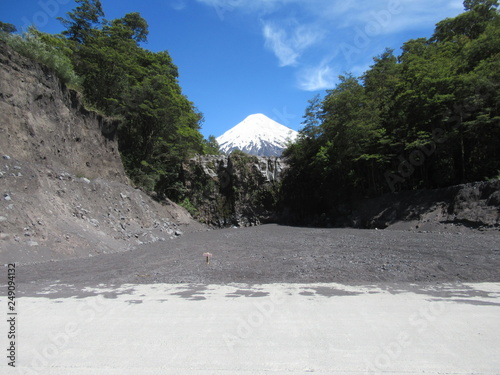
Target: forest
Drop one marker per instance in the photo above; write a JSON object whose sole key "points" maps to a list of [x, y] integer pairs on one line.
{"points": [[426, 118]]}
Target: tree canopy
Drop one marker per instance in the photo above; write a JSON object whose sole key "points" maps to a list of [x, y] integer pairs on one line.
{"points": [[82, 22], [7, 27], [160, 126], [427, 118]]}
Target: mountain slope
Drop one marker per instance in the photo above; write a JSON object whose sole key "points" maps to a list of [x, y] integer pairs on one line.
{"points": [[257, 135]]}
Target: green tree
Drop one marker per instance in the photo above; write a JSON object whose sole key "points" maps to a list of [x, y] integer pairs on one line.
{"points": [[160, 126], [469, 24], [7, 28], [386, 123], [82, 21], [133, 26], [211, 146]]}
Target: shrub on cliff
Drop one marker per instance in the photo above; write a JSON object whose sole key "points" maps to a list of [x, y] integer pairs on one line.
{"points": [[31, 45]]}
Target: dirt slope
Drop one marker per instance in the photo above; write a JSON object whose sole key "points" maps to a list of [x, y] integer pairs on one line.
{"points": [[63, 189]]}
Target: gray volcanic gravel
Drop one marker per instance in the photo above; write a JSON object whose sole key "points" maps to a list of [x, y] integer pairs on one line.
{"points": [[280, 254]]}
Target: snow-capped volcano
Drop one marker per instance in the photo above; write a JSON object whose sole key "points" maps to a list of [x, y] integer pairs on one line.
{"points": [[257, 135]]}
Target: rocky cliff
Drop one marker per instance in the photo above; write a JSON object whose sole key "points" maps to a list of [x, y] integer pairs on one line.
{"points": [[244, 190], [63, 190], [235, 190]]}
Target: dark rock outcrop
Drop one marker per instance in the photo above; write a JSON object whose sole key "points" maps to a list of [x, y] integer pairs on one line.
{"points": [[235, 190], [473, 205]]}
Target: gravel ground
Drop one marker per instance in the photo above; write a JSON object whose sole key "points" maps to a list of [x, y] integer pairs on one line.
{"points": [[280, 254]]}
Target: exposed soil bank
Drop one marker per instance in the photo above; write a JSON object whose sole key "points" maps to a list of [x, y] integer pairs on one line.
{"points": [[63, 188]]}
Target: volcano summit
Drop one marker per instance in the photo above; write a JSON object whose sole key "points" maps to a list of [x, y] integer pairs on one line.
{"points": [[257, 135]]}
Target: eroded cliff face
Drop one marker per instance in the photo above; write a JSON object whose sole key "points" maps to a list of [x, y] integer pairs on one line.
{"points": [[63, 189], [235, 190], [44, 122]]}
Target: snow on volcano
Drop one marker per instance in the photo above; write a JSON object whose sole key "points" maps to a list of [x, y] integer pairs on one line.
{"points": [[257, 135]]}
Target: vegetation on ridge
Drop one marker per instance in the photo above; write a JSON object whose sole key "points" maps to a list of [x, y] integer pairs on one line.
{"points": [[427, 118], [160, 127]]}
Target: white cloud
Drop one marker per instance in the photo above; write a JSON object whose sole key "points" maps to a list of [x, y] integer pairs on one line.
{"points": [[276, 40], [178, 4], [407, 15], [288, 45], [317, 78], [344, 33], [260, 7], [344, 12]]}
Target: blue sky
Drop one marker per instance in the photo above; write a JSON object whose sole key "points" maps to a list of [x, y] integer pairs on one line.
{"points": [[239, 57]]}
